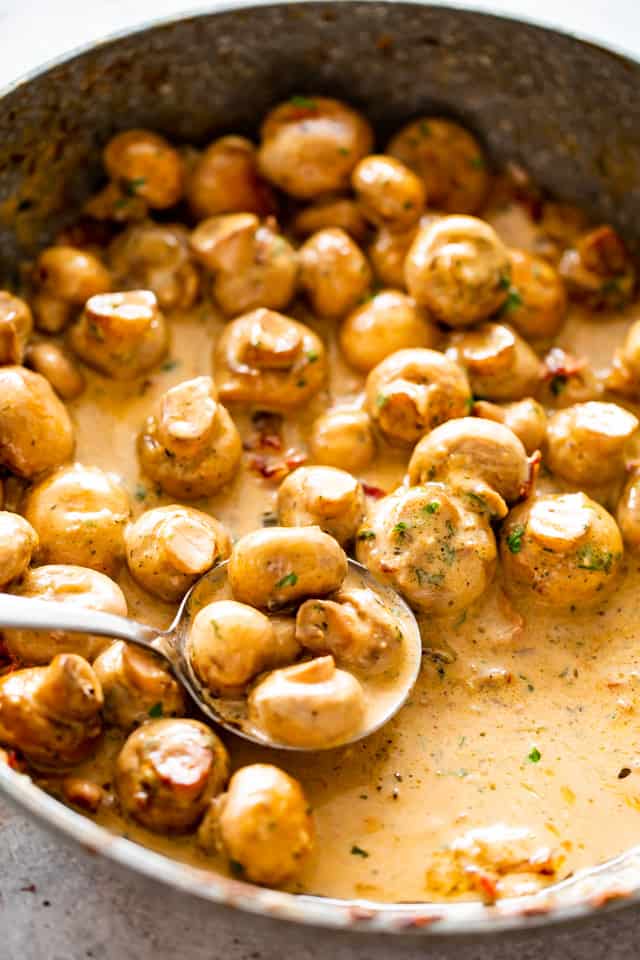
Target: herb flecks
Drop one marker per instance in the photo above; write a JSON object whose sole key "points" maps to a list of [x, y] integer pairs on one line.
{"points": [[513, 301], [366, 535], [515, 538], [534, 755], [432, 507], [592, 557], [156, 710], [357, 851], [306, 103], [132, 187], [289, 580]]}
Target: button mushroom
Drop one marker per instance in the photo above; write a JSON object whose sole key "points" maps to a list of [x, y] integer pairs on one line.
{"points": [[526, 418], [122, 335], [79, 514], [587, 443], [61, 583], [334, 272], [262, 824], [266, 360], [499, 363], [628, 512], [146, 166], [310, 145], [481, 459], [390, 321], [411, 391], [225, 179], [167, 773], [170, 547], [388, 192], [52, 713], [342, 212], [310, 705], [562, 549], [192, 448], [252, 263], [343, 437], [599, 270], [16, 324], [459, 269], [156, 257], [56, 366], [448, 158], [326, 497], [18, 541], [355, 627], [65, 277], [278, 566], [36, 433], [136, 685], [230, 643], [438, 551], [537, 301]]}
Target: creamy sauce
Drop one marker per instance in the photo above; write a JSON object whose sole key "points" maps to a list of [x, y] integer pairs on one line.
{"points": [[519, 717]]}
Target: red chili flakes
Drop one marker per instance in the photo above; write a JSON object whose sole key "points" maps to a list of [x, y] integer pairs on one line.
{"points": [[276, 469], [559, 363], [376, 493], [487, 886], [15, 761]]}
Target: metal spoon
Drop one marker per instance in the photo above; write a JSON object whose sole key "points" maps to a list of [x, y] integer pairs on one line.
{"points": [[25, 613]]}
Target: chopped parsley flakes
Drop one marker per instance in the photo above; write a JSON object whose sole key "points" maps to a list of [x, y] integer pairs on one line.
{"points": [[515, 537], [289, 580], [357, 851]]}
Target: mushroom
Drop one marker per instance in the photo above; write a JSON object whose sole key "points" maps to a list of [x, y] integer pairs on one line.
{"points": [[563, 549], [430, 545], [325, 497], [499, 363], [79, 514], [587, 442], [170, 547], [355, 627], [334, 272], [156, 257], [412, 391], [449, 160], [310, 145], [52, 713], [459, 269], [136, 685], [36, 433], [266, 360], [122, 335], [63, 583], [230, 643], [278, 566], [192, 448], [388, 322], [262, 824], [311, 705], [252, 264], [168, 772]]}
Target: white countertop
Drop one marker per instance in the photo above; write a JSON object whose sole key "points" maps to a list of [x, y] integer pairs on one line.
{"points": [[34, 31]]}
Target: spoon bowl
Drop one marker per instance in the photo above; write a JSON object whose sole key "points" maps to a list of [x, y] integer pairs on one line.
{"points": [[384, 694]]}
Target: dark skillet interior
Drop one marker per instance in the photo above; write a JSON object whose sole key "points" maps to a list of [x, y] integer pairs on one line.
{"points": [[567, 111]]}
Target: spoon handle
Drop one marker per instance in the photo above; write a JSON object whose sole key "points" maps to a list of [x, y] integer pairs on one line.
{"points": [[25, 613]]}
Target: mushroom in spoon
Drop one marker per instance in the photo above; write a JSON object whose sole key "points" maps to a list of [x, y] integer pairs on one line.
{"points": [[250, 614]]}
